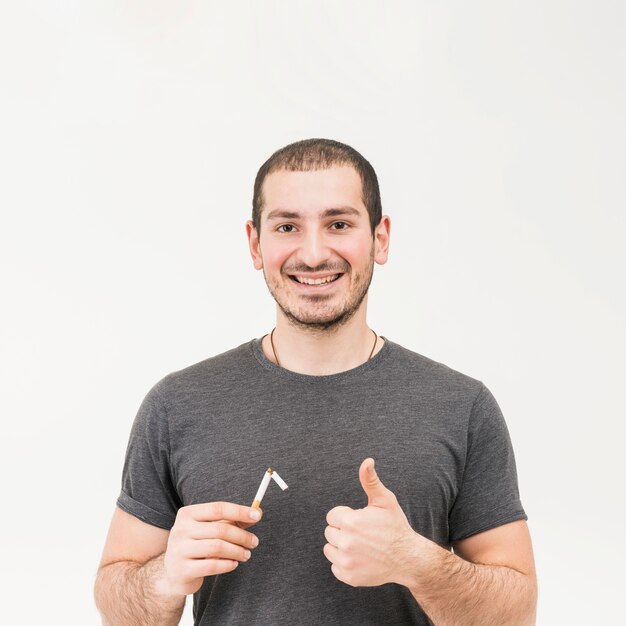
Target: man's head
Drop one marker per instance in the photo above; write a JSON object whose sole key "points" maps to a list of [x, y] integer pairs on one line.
{"points": [[319, 154], [318, 237]]}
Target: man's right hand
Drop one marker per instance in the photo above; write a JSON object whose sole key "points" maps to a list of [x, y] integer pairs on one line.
{"points": [[207, 539]]}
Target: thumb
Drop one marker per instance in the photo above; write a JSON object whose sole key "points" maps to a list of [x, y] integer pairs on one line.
{"points": [[377, 493]]}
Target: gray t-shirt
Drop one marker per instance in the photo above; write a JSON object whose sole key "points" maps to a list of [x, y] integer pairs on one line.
{"points": [[210, 431]]}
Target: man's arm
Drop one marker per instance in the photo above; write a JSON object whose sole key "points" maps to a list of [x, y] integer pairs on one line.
{"points": [[132, 594], [146, 572], [130, 587], [492, 582]]}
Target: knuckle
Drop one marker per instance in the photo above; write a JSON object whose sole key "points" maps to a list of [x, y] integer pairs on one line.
{"points": [[185, 571], [183, 527], [220, 530], [347, 562], [211, 548], [345, 544], [349, 580], [212, 567], [342, 575], [175, 550]]}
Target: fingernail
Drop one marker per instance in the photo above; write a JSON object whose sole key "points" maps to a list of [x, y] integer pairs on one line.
{"points": [[255, 541], [247, 554], [255, 514]]}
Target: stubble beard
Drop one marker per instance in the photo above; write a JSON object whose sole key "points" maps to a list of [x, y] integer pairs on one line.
{"points": [[334, 319]]}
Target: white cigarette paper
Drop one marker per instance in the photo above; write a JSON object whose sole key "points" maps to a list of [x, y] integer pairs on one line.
{"points": [[262, 488], [281, 483], [264, 483]]}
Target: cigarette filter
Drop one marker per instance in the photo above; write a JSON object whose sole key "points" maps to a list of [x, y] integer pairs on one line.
{"points": [[262, 488]]}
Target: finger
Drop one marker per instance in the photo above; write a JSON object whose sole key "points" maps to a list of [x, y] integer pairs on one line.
{"points": [[340, 574], [337, 517], [215, 549], [196, 568], [248, 524], [377, 493], [332, 535], [224, 530], [214, 511], [331, 553]]}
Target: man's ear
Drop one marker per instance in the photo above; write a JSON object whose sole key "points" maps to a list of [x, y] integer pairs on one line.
{"points": [[254, 245], [381, 240]]}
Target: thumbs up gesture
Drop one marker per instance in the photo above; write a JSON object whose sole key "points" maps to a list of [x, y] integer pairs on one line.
{"points": [[373, 545]]}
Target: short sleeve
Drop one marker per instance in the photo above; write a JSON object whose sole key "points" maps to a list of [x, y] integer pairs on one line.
{"points": [[147, 490], [488, 495]]}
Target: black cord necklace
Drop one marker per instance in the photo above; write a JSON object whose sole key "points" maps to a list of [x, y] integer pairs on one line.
{"points": [[278, 362]]}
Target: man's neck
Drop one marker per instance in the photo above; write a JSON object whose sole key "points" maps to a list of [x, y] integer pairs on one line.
{"points": [[321, 353]]}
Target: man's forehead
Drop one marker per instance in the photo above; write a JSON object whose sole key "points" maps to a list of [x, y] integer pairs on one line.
{"points": [[330, 188]]}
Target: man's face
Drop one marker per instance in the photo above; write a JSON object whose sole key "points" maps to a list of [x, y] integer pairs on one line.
{"points": [[315, 227]]}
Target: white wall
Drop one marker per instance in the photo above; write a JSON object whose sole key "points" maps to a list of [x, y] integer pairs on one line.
{"points": [[130, 137]]}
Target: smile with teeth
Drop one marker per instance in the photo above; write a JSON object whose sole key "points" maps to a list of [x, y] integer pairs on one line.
{"points": [[316, 281]]}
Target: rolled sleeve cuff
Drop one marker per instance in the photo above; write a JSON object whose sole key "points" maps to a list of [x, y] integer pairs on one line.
{"points": [[144, 512]]}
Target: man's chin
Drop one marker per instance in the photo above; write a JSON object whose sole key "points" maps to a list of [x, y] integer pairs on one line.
{"points": [[318, 322]]}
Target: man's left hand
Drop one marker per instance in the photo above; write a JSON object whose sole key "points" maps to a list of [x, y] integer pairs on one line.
{"points": [[373, 545]]}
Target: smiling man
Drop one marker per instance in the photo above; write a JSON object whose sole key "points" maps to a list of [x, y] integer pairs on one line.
{"points": [[324, 299], [432, 531]]}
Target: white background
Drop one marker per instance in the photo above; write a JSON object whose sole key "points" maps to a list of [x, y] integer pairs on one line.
{"points": [[131, 133]]}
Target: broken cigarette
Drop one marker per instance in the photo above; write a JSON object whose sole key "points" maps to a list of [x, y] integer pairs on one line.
{"points": [[264, 483]]}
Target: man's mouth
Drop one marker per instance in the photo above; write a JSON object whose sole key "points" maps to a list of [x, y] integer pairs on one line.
{"points": [[306, 280]]}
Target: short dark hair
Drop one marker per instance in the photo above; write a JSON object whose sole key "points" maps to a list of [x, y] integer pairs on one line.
{"points": [[319, 154]]}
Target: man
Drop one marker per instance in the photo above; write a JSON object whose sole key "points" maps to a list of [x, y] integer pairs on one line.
{"points": [[353, 540]]}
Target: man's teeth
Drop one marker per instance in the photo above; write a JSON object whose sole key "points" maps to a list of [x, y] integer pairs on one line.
{"points": [[316, 281]]}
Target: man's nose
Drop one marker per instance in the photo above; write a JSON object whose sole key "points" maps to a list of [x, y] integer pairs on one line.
{"points": [[314, 249]]}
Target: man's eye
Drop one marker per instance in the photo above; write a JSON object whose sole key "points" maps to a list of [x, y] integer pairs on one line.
{"points": [[340, 225], [289, 226]]}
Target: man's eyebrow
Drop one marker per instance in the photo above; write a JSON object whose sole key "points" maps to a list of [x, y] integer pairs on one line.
{"points": [[294, 215], [341, 210], [282, 214]]}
